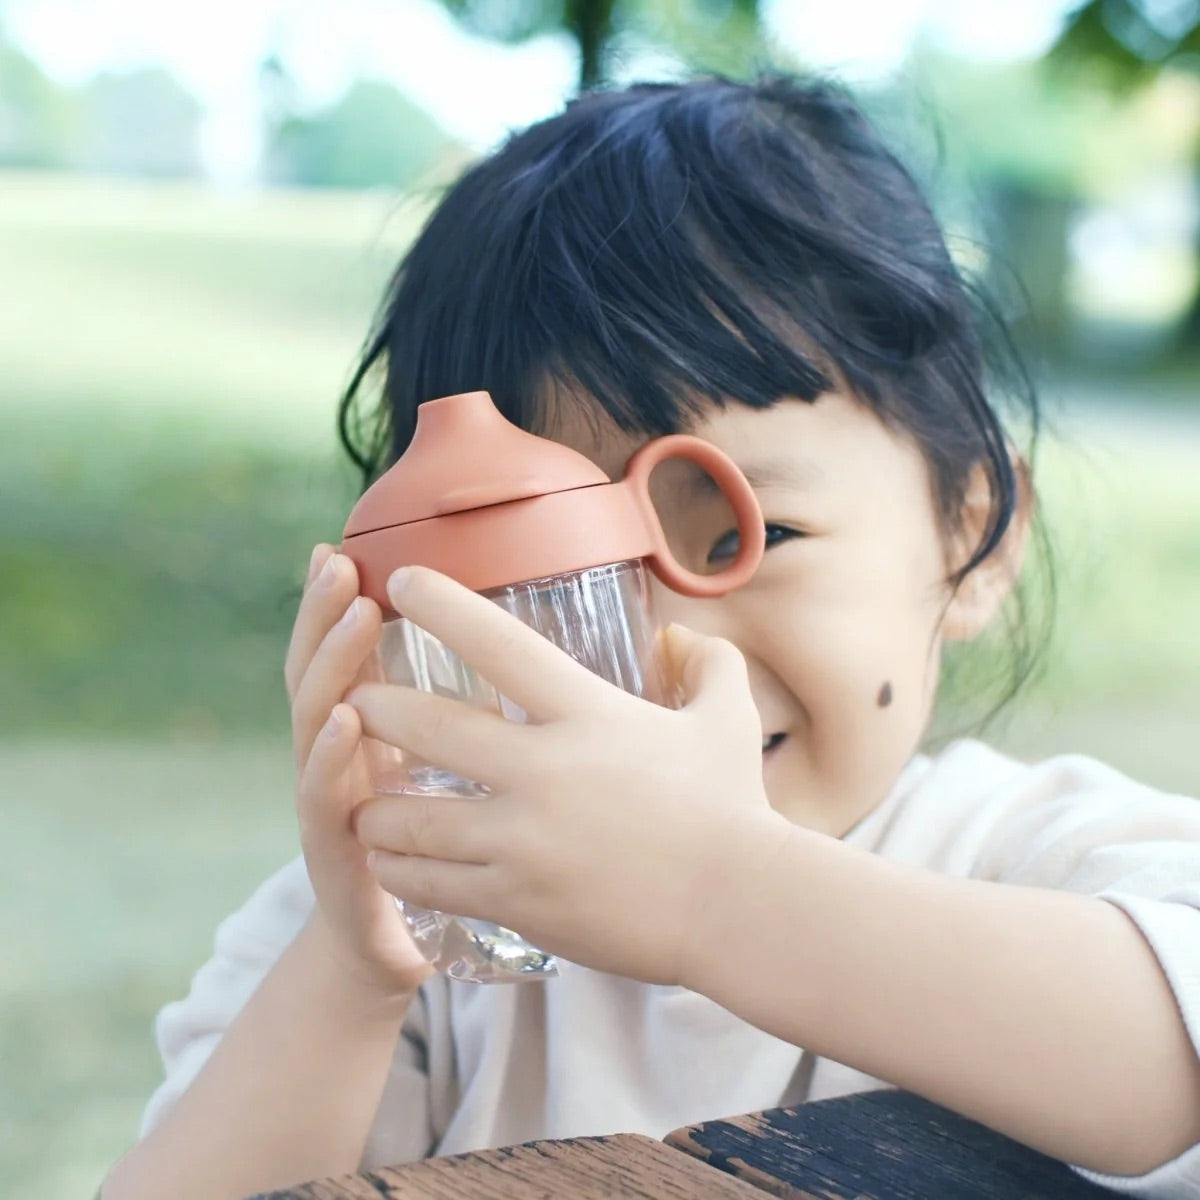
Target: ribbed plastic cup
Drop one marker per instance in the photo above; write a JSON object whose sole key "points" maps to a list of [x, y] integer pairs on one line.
{"points": [[602, 617]]}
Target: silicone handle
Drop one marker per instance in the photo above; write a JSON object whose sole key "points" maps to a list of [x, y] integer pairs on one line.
{"points": [[736, 490]]}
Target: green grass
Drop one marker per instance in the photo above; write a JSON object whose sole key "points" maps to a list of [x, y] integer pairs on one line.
{"points": [[1125, 544], [153, 576], [117, 863], [147, 302], [167, 455], [166, 462]]}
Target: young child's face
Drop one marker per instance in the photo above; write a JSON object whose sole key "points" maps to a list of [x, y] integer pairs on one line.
{"points": [[842, 625]]}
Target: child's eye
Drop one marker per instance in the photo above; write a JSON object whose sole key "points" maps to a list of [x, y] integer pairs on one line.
{"points": [[728, 545]]}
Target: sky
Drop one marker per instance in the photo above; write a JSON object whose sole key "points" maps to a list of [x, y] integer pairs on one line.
{"points": [[477, 90]]}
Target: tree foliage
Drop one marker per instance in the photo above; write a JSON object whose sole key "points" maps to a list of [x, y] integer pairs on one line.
{"points": [[716, 35], [374, 136], [137, 122], [1130, 40], [1129, 43], [39, 121]]}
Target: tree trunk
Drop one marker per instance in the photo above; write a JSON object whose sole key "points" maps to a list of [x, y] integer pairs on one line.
{"points": [[1188, 339], [591, 24]]}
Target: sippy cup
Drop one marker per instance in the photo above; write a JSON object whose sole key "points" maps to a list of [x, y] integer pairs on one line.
{"points": [[540, 530]]}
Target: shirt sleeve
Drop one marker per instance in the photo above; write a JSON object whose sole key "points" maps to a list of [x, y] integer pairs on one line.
{"points": [[246, 947], [1098, 833]]}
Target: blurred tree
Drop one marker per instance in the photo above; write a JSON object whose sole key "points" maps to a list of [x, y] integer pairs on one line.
{"points": [[1128, 44], [1130, 40], [715, 35], [140, 122], [1015, 155], [373, 136], [40, 122]]}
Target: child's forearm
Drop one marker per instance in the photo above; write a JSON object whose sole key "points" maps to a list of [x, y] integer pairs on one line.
{"points": [[288, 1095], [1042, 1014]]}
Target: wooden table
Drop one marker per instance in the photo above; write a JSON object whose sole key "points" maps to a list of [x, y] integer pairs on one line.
{"points": [[883, 1145]]}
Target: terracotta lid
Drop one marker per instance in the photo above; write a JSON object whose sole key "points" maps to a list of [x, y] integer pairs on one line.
{"points": [[465, 455], [490, 505]]}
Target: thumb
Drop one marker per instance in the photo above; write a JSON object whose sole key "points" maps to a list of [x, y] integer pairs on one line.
{"points": [[705, 667]]}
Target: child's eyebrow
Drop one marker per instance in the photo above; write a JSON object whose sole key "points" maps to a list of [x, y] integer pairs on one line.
{"points": [[799, 473]]}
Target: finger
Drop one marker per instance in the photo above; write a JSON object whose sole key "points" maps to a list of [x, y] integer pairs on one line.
{"points": [[517, 660], [710, 669], [324, 795], [471, 742], [319, 557], [464, 889], [324, 601], [333, 670], [448, 828]]}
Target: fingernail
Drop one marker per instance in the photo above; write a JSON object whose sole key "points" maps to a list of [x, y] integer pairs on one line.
{"points": [[333, 726], [400, 578], [350, 616], [313, 559], [328, 571]]}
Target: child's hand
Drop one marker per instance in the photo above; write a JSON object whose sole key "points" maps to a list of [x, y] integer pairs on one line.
{"points": [[612, 822], [333, 635]]}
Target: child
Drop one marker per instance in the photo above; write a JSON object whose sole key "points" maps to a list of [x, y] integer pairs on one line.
{"points": [[767, 896]]}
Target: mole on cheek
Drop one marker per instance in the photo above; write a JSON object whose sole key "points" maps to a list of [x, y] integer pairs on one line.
{"points": [[885, 695]]}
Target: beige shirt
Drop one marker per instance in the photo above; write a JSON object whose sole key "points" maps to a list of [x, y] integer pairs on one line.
{"points": [[589, 1053]]}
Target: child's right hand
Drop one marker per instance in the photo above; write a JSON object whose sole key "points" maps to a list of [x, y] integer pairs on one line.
{"points": [[335, 632]]}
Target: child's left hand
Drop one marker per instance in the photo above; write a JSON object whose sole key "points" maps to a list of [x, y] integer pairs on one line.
{"points": [[613, 823]]}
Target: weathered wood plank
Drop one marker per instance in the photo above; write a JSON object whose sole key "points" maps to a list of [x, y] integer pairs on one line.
{"points": [[622, 1167], [885, 1145]]}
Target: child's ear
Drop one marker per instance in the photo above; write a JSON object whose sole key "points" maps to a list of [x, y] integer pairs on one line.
{"points": [[979, 597]]}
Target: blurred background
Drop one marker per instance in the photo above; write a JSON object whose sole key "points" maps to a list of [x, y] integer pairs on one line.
{"points": [[199, 206]]}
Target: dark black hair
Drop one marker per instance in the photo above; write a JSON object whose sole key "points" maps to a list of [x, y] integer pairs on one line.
{"points": [[664, 246]]}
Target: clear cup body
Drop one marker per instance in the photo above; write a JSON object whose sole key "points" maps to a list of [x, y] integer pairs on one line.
{"points": [[603, 617]]}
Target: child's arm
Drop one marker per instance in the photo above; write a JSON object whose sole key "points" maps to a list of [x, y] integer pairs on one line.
{"points": [[292, 1088], [638, 840], [289, 1094], [1040, 1013]]}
